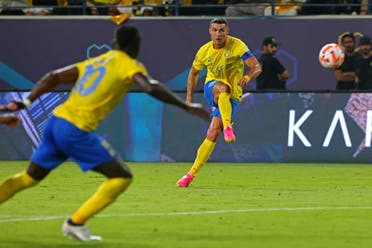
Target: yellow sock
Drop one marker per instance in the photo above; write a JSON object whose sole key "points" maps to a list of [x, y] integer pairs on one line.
{"points": [[15, 184], [225, 108], [204, 152], [105, 195]]}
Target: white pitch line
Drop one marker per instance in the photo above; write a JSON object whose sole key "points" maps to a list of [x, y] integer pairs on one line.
{"points": [[35, 218], [208, 212]]}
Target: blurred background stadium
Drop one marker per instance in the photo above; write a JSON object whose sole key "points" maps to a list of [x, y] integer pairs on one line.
{"points": [[35, 44], [277, 202]]}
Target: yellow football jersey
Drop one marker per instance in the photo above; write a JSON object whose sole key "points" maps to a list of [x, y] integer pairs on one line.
{"points": [[223, 64], [102, 82]]}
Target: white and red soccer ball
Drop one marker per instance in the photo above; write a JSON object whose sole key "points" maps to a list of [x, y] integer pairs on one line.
{"points": [[331, 56]]}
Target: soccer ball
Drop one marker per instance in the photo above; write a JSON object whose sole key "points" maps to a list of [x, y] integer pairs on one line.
{"points": [[331, 56]]}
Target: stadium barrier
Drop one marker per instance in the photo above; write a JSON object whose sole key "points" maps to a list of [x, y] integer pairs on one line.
{"points": [[270, 127]]}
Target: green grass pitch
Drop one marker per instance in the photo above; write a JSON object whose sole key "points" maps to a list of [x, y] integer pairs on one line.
{"points": [[228, 205]]}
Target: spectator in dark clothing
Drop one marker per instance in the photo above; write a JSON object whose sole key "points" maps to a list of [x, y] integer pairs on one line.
{"points": [[346, 73], [210, 8], [314, 7], [246, 7], [273, 74], [364, 70], [331, 7]]}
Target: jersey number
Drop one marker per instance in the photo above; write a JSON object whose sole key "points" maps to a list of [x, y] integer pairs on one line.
{"points": [[82, 86]]}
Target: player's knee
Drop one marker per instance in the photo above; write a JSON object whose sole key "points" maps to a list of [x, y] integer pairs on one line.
{"points": [[128, 174], [125, 172], [114, 169], [222, 87], [36, 172]]}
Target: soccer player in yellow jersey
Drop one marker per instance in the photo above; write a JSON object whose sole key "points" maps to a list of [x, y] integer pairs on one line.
{"points": [[224, 57], [70, 132]]}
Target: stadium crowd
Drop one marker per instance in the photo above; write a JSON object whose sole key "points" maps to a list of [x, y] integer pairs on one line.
{"points": [[356, 71], [185, 7]]}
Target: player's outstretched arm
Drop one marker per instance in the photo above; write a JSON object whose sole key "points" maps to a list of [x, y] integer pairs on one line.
{"points": [[48, 82], [159, 91]]}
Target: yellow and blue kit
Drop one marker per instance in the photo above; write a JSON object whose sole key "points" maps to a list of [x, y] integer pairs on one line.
{"points": [[70, 132], [224, 65]]}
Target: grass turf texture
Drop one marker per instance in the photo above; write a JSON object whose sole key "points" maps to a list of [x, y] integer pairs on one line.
{"points": [[282, 205]]}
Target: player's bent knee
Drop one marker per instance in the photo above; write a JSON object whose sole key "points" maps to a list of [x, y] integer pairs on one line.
{"points": [[126, 175], [125, 172], [221, 87], [37, 172], [114, 169]]}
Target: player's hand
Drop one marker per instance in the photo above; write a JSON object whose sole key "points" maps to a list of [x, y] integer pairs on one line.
{"points": [[243, 82], [198, 110], [10, 120], [15, 105]]}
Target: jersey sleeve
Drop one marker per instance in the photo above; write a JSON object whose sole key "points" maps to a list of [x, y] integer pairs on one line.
{"points": [[135, 67], [242, 49]]}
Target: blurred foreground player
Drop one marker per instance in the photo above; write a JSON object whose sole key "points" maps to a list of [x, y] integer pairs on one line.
{"points": [[70, 132]]}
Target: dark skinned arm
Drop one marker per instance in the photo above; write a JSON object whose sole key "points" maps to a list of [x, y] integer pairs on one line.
{"points": [[47, 83], [160, 92]]}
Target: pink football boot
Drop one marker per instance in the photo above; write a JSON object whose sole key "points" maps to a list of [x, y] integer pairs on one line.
{"points": [[185, 180], [228, 134]]}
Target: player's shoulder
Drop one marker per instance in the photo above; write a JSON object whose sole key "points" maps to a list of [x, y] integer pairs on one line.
{"points": [[236, 44], [206, 46], [125, 59], [119, 61], [97, 59], [237, 40]]}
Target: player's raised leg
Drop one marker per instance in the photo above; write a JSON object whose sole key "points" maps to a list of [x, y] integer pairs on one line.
{"points": [[221, 93], [26, 179], [118, 179]]}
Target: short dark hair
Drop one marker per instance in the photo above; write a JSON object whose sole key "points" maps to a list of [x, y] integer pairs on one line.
{"points": [[270, 40], [347, 34], [364, 40], [219, 20], [128, 39]]}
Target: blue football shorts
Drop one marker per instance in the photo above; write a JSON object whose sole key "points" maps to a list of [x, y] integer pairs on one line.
{"points": [[62, 140], [208, 96]]}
